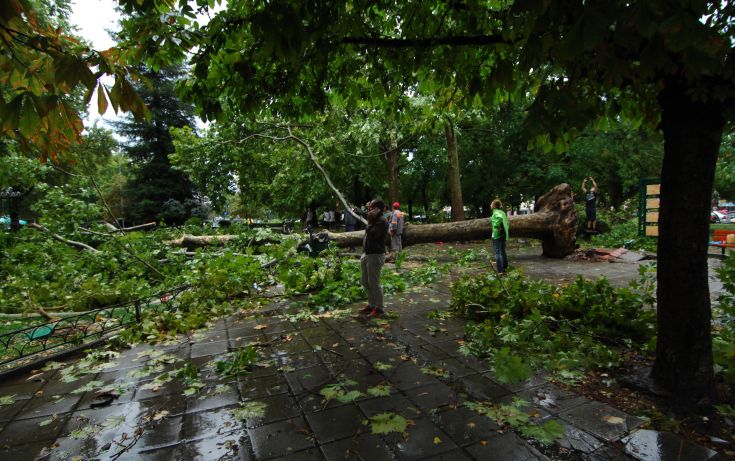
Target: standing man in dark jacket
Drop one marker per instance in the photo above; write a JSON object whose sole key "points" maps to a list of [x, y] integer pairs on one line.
{"points": [[373, 258]]}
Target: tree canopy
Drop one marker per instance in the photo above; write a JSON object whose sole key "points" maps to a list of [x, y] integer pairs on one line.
{"points": [[664, 65]]}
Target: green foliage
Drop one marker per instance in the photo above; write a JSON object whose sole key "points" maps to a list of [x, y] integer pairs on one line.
{"points": [[426, 274], [513, 415], [249, 410], [385, 423], [381, 366], [332, 280], [725, 172], [157, 192], [379, 390], [435, 371], [623, 233], [564, 330], [44, 79], [723, 324], [341, 392], [238, 362], [509, 368]]}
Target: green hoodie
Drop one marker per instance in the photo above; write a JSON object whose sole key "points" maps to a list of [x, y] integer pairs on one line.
{"points": [[499, 217]]}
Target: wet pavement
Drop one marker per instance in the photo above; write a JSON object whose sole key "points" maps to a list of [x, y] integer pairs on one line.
{"points": [[324, 388]]}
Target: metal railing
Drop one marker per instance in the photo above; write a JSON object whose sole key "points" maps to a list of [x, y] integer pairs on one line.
{"points": [[76, 330]]}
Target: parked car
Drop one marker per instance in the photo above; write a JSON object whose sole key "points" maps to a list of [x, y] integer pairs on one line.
{"points": [[718, 217], [5, 222]]}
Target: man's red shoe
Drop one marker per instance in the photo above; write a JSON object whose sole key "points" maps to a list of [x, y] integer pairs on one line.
{"points": [[375, 312]]}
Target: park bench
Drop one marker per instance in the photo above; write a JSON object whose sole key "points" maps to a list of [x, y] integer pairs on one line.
{"points": [[719, 239]]}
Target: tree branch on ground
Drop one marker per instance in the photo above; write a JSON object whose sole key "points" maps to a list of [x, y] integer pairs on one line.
{"points": [[73, 243]]}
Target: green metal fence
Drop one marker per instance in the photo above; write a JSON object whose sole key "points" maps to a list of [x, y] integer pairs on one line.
{"points": [[24, 345]]}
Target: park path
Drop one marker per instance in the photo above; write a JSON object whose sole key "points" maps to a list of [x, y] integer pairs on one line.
{"points": [[278, 411]]}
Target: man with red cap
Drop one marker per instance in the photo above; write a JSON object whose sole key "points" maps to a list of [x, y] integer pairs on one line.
{"points": [[396, 231]]}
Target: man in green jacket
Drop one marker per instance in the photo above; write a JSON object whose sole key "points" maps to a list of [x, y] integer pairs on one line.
{"points": [[499, 221]]}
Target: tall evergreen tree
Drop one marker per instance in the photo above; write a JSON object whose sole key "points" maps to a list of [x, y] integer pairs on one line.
{"points": [[157, 191]]}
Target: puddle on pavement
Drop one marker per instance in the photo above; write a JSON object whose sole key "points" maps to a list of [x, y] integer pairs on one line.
{"points": [[664, 446]]}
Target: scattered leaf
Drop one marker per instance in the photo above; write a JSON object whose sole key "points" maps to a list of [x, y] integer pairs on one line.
{"points": [[435, 371], [90, 386], [84, 432], [114, 422], [7, 400], [382, 366], [53, 366], [613, 419], [350, 396], [385, 423], [545, 433], [252, 409], [379, 391], [437, 440], [159, 415]]}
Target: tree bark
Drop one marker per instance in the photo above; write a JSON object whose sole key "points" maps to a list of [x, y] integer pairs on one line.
{"points": [[453, 179], [555, 224], [391, 160], [692, 136]]}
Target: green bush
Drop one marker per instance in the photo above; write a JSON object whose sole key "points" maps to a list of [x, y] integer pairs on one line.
{"points": [[564, 330], [723, 324]]}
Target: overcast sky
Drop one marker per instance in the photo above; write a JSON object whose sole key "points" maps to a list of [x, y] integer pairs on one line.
{"points": [[93, 19]]}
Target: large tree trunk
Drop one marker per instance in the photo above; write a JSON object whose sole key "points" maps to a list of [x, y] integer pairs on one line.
{"points": [[453, 179], [692, 135], [391, 160], [555, 224]]}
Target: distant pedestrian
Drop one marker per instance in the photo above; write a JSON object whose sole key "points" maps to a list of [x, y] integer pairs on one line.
{"points": [[590, 204], [373, 258], [350, 221], [309, 217], [395, 230], [325, 219], [500, 226]]}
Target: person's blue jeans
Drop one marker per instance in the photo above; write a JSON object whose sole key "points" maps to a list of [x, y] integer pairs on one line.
{"points": [[501, 257]]}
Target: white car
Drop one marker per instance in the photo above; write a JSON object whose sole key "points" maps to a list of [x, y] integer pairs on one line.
{"points": [[718, 217]]}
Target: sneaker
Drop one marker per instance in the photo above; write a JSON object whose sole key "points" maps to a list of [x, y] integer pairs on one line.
{"points": [[365, 310], [375, 312]]}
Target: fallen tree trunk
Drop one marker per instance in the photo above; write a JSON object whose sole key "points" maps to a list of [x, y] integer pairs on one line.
{"points": [[196, 241], [555, 224]]}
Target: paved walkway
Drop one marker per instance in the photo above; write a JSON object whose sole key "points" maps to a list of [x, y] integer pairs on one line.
{"points": [[279, 411]]}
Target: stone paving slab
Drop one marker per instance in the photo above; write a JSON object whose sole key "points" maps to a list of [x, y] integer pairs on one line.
{"points": [[417, 357]]}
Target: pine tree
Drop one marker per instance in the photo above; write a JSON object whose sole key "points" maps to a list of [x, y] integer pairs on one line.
{"points": [[156, 191]]}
